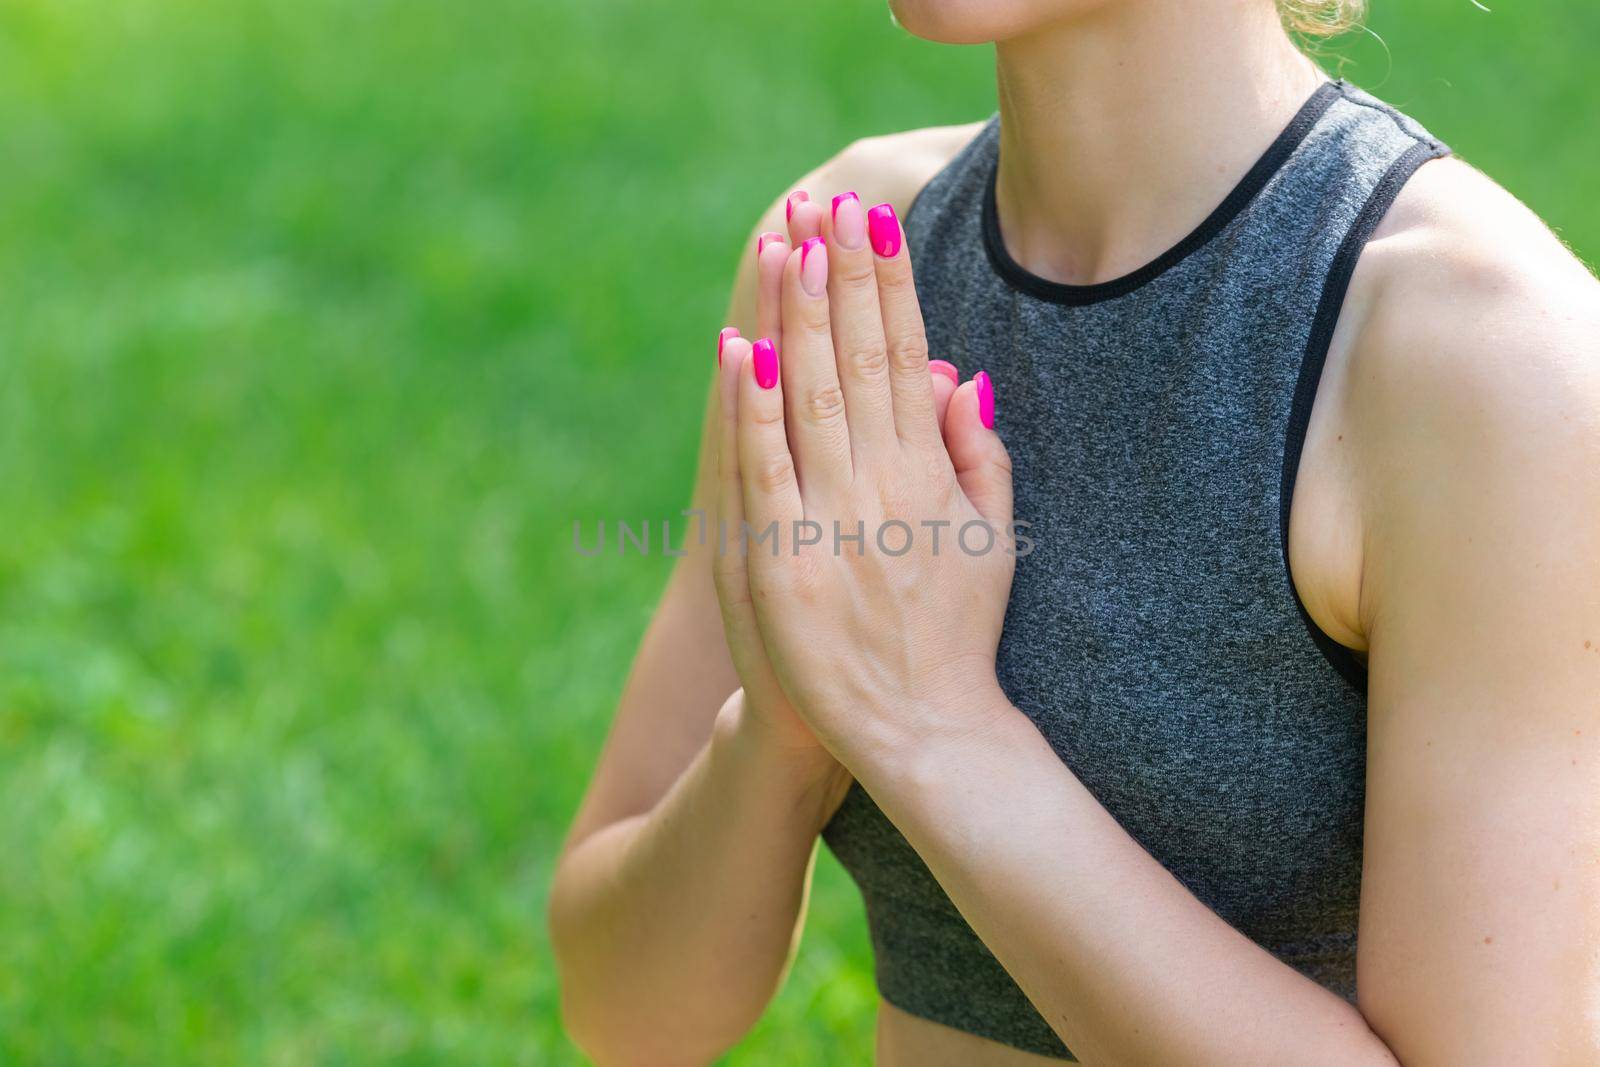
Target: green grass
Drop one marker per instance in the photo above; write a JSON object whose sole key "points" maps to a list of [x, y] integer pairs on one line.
{"points": [[320, 322]]}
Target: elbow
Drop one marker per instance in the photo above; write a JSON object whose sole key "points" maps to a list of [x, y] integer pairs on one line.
{"points": [[591, 1020], [611, 1036], [607, 1042], [584, 1011], [607, 1024], [582, 1018]]}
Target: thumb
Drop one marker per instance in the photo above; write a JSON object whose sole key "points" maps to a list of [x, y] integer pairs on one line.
{"points": [[983, 466]]}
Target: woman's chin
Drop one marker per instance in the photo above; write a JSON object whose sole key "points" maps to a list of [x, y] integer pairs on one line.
{"points": [[978, 21]]}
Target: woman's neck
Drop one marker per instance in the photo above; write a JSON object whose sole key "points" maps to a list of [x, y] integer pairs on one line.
{"points": [[1122, 130]]}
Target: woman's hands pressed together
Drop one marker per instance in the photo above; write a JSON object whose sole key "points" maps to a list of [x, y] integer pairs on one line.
{"points": [[866, 549]]}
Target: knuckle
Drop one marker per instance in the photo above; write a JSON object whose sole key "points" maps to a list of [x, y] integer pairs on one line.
{"points": [[816, 327], [766, 415], [824, 404], [774, 473], [896, 283], [867, 361], [935, 469], [856, 275], [814, 319], [895, 496], [909, 352]]}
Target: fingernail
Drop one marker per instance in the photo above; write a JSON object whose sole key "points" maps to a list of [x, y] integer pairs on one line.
{"points": [[985, 399], [814, 266], [765, 358], [939, 366], [723, 338], [849, 221], [766, 239], [883, 230], [799, 196]]}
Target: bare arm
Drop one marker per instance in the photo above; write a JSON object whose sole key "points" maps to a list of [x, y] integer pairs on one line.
{"points": [[677, 902], [673, 927]]}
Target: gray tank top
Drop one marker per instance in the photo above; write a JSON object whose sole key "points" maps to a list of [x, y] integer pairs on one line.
{"points": [[1154, 634]]}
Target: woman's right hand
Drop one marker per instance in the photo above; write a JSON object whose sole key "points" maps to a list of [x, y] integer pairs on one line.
{"points": [[763, 709]]}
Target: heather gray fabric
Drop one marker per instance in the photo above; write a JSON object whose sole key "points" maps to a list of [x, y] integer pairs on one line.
{"points": [[1154, 635]]}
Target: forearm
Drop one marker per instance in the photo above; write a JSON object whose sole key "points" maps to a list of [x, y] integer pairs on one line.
{"points": [[673, 928], [1125, 963]]}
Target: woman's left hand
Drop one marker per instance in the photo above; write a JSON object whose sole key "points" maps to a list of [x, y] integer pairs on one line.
{"points": [[882, 584]]}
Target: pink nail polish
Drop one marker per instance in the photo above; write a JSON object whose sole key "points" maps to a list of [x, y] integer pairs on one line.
{"points": [[765, 360], [985, 399], [841, 198], [883, 230], [799, 196], [728, 332], [814, 266], [765, 239], [939, 366]]}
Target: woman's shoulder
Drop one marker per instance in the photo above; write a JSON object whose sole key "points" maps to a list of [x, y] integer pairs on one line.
{"points": [[887, 168], [1453, 226], [893, 168], [1466, 298], [1471, 355]]}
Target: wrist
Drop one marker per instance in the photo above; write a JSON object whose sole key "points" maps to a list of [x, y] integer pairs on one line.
{"points": [[933, 732], [804, 776]]}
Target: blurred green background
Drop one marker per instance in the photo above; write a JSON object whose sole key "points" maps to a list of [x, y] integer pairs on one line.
{"points": [[320, 322]]}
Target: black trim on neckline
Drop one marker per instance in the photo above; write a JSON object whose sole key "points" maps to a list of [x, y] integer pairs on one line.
{"points": [[1334, 291], [1020, 278]]}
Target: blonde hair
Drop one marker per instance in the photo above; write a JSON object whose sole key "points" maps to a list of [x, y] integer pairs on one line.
{"points": [[1322, 18]]}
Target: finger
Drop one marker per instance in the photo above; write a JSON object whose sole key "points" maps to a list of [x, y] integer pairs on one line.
{"points": [[772, 252], [819, 433], [905, 341], [804, 218], [732, 576], [732, 580], [945, 378], [983, 466], [858, 339], [732, 351], [768, 490]]}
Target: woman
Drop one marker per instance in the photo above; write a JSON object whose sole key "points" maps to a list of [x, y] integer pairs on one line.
{"points": [[1302, 415]]}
